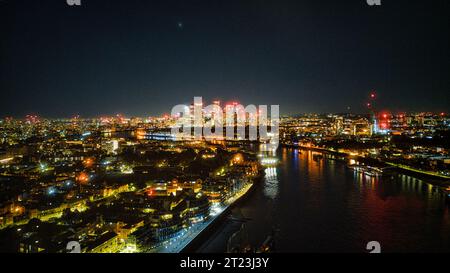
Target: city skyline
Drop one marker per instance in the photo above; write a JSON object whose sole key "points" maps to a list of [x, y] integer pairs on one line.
{"points": [[228, 127], [167, 115]]}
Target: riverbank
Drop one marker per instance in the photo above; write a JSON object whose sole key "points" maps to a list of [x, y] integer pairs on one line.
{"points": [[202, 235], [428, 177], [317, 205]]}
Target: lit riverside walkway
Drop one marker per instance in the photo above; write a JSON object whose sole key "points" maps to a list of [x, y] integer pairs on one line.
{"points": [[178, 243]]}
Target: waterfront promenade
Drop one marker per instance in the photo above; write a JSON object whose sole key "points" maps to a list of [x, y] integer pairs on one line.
{"points": [[188, 235]]}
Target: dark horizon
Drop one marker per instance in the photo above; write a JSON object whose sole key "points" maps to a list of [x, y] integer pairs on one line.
{"points": [[140, 58]]}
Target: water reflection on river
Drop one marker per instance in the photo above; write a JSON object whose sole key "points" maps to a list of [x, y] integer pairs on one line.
{"points": [[319, 205]]}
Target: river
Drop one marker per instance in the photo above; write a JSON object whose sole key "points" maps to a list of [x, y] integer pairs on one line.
{"points": [[319, 205]]}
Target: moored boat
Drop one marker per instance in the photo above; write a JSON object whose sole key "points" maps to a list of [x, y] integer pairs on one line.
{"points": [[371, 171]]}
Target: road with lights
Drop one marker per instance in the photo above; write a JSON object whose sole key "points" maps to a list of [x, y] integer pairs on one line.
{"points": [[187, 235]]}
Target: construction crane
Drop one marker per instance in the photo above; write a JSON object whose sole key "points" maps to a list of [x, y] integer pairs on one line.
{"points": [[371, 106]]}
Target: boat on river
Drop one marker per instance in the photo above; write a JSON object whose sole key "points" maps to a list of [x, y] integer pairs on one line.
{"points": [[372, 171]]}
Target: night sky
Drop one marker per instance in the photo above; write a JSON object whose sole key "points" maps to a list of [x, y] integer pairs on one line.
{"points": [[142, 57]]}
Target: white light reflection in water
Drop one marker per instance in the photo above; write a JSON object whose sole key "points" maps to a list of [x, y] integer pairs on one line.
{"points": [[268, 153], [271, 183]]}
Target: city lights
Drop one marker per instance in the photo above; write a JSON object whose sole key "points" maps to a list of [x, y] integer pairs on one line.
{"points": [[242, 128]]}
